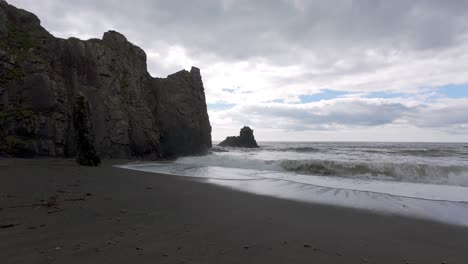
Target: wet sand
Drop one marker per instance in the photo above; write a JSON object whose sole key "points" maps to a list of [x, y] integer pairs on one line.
{"points": [[52, 211]]}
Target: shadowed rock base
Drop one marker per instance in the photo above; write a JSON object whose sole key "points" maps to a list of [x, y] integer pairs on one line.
{"points": [[86, 153]]}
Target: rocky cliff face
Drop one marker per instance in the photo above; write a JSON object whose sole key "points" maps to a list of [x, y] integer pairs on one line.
{"points": [[130, 113]]}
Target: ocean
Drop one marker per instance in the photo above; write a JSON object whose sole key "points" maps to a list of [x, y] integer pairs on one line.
{"points": [[424, 180]]}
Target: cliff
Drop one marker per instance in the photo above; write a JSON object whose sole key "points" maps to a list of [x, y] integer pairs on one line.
{"points": [[130, 113], [245, 139]]}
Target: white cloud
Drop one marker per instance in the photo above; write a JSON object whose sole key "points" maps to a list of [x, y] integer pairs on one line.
{"points": [[442, 119], [279, 49]]}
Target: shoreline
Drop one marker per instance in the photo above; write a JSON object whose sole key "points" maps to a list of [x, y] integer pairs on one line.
{"points": [[439, 203], [109, 214]]}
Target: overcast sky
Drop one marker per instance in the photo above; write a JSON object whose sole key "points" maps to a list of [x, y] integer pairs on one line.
{"points": [[347, 70]]}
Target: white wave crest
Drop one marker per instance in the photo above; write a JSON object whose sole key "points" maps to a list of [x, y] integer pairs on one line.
{"points": [[402, 172]]}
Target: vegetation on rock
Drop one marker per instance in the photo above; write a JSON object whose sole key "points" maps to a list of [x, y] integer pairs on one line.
{"points": [[134, 114], [15, 146]]}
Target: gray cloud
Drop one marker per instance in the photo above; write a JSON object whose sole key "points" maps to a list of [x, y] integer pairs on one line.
{"points": [[452, 114], [330, 114], [314, 33], [272, 29], [354, 112], [356, 46], [349, 112], [330, 40]]}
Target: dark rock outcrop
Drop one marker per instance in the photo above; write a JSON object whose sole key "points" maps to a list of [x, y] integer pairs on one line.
{"points": [[131, 114], [86, 153], [246, 139]]}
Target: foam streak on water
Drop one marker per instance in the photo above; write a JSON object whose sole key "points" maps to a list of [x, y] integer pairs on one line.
{"points": [[421, 180]]}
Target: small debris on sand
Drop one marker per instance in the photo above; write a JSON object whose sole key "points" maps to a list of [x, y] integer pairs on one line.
{"points": [[52, 202], [7, 226], [74, 200], [57, 211]]}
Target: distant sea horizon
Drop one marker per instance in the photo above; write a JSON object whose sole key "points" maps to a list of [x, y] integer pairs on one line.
{"points": [[344, 141]]}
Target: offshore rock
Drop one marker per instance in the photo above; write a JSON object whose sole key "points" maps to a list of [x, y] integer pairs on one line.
{"points": [[131, 114], [246, 139]]}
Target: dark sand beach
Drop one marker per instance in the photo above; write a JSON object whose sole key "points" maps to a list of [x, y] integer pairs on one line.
{"points": [[53, 211]]}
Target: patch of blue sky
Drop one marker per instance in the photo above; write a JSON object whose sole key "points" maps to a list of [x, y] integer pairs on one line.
{"points": [[454, 90], [323, 95], [220, 106]]}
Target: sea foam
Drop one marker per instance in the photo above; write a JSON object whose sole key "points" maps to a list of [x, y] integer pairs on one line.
{"points": [[422, 180]]}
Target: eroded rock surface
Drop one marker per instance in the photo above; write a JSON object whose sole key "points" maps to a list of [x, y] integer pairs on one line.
{"points": [[246, 139], [131, 114]]}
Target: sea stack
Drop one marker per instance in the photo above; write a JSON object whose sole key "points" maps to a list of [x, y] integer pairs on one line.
{"points": [[129, 113], [246, 139]]}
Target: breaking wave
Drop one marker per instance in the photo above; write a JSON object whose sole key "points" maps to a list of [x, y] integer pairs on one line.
{"points": [[404, 172], [300, 149], [424, 173], [416, 179]]}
